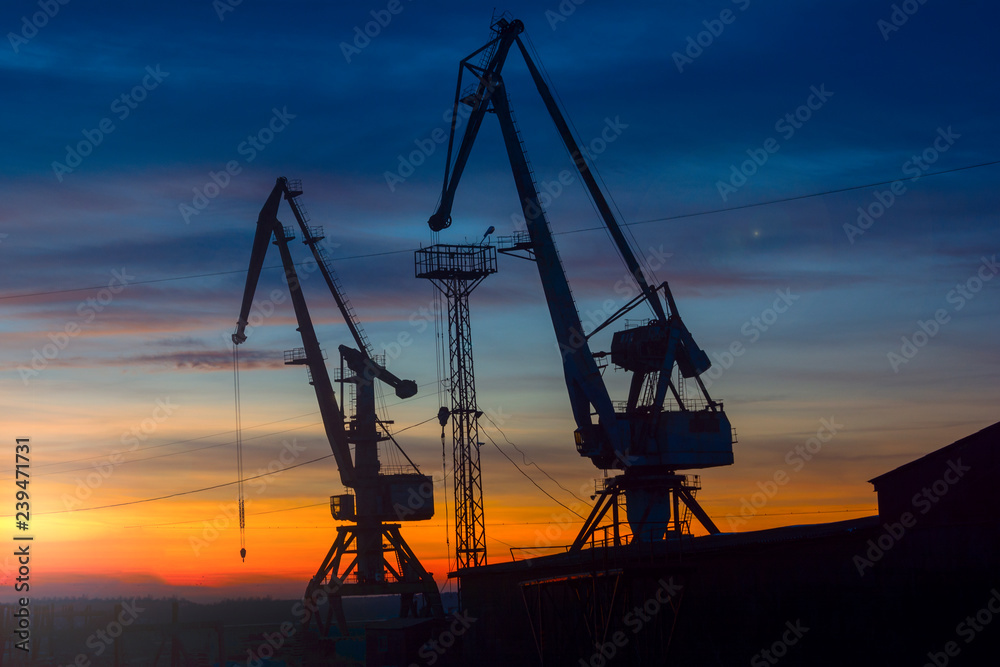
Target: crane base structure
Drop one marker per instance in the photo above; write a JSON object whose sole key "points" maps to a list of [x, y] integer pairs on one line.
{"points": [[405, 576], [671, 490]]}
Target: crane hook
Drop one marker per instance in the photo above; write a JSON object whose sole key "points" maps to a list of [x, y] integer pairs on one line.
{"points": [[243, 554], [443, 414]]}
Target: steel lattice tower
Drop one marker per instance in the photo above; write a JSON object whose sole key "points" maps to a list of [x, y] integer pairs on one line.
{"points": [[457, 270]]}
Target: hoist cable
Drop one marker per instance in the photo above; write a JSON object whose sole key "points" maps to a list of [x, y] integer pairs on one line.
{"points": [[444, 483], [239, 451]]}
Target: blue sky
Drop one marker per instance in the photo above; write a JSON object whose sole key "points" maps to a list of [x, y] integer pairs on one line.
{"points": [[889, 94]]}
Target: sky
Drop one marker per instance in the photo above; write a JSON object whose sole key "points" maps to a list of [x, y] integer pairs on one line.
{"points": [[814, 180]]}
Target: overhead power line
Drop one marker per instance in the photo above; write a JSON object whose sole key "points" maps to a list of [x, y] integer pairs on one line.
{"points": [[422, 524], [207, 488], [669, 218], [528, 477], [183, 523], [783, 200], [192, 276], [175, 442], [107, 457], [524, 457], [178, 453], [179, 493]]}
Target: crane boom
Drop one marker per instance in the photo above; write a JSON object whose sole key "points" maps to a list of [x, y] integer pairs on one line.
{"points": [[370, 370], [641, 435], [588, 178], [583, 377], [581, 373], [311, 355], [489, 81], [480, 101], [266, 221], [311, 236]]}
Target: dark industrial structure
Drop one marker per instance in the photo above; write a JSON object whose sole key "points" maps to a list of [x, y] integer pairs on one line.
{"points": [[954, 481], [369, 555], [659, 429], [918, 584], [872, 591], [456, 270], [880, 590]]}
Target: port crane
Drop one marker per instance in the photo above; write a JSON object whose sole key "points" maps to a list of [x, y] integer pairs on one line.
{"points": [[369, 555], [643, 437]]}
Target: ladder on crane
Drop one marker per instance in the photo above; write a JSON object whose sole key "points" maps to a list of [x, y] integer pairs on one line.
{"points": [[311, 236]]}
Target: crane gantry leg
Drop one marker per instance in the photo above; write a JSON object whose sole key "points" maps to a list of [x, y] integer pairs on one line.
{"points": [[404, 576]]}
